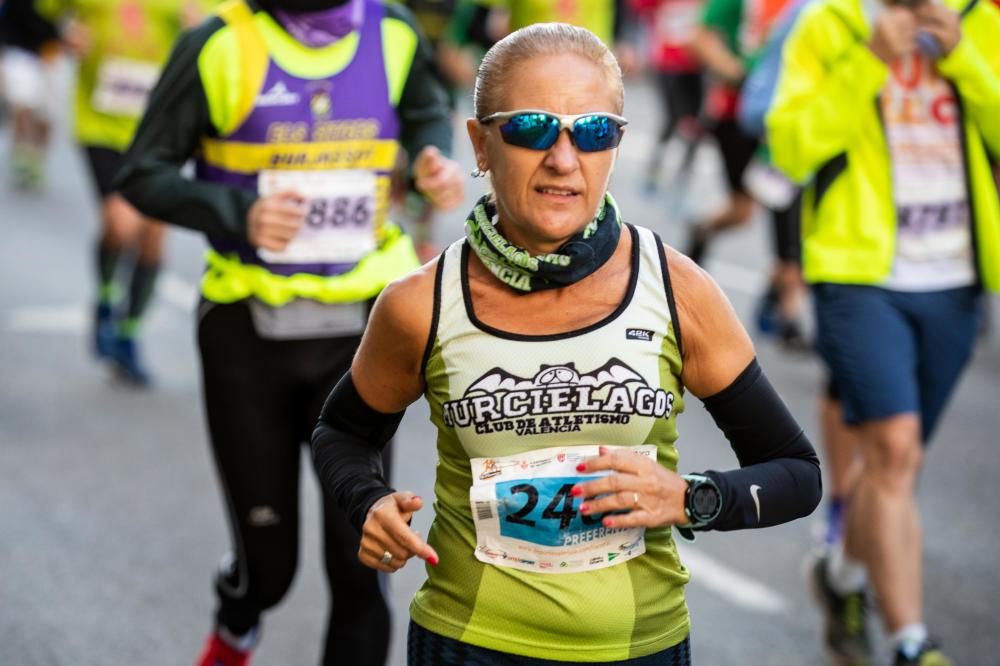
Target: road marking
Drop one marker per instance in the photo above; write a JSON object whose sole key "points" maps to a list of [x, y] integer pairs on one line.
{"points": [[74, 319], [731, 585], [46, 319]]}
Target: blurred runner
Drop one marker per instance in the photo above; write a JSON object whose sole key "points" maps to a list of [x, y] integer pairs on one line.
{"points": [[121, 45], [733, 37], [671, 25], [295, 111], [891, 112], [30, 47]]}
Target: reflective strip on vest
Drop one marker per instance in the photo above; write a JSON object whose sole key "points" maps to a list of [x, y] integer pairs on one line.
{"points": [[227, 279]]}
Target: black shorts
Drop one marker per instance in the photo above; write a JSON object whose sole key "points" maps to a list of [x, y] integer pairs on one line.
{"points": [[104, 165], [787, 227], [737, 150]]}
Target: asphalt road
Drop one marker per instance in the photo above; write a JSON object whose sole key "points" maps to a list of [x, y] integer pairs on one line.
{"points": [[111, 521]]}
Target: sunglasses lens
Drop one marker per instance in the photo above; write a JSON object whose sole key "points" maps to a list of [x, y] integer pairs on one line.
{"points": [[537, 131], [595, 133]]}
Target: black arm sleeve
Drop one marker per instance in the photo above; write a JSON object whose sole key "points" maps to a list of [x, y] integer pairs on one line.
{"points": [[169, 134], [347, 450], [778, 465], [424, 112]]}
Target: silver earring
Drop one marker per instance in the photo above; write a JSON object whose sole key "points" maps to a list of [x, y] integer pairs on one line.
{"points": [[478, 173]]}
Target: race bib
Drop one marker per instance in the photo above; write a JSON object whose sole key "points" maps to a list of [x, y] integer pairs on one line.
{"points": [[934, 232], [527, 519], [339, 227], [123, 86]]}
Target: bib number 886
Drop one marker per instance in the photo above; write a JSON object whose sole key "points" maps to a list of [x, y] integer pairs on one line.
{"points": [[339, 212]]}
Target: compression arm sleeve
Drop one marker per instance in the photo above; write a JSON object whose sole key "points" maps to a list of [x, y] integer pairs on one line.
{"points": [[779, 476], [347, 450]]}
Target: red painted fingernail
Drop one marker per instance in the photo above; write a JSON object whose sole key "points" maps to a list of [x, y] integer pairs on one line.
{"points": [[607, 522], [576, 491], [584, 508], [433, 561], [582, 467]]}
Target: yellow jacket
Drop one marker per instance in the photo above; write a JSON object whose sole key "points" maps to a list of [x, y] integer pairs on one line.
{"points": [[825, 129]]}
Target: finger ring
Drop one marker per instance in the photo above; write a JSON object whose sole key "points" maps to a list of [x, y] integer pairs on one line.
{"points": [[635, 499], [386, 558]]}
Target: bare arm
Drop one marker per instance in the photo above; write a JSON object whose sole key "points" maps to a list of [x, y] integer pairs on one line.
{"points": [[716, 346]]}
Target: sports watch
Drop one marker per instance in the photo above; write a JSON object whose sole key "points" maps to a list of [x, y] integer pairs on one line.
{"points": [[702, 501]]}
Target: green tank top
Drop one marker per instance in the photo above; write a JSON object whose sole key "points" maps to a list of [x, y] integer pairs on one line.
{"points": [[521, 570]]}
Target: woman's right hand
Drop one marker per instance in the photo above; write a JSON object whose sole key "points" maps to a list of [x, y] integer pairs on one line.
{"points": [[387, 531], [274, 220]]}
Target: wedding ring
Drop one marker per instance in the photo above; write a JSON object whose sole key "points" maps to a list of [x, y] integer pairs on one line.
{"points": [[635, 500], [386, 558]]}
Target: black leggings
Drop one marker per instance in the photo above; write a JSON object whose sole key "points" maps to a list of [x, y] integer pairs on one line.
{"points": [[262, 400]]}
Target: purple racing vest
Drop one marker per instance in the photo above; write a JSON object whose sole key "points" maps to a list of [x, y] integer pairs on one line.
{"points": [[343, 121]]}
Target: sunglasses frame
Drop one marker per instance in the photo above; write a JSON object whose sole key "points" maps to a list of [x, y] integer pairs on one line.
{"points": [[566, 122]]}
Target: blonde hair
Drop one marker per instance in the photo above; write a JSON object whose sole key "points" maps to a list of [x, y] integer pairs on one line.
{"points": [[540, 39]]}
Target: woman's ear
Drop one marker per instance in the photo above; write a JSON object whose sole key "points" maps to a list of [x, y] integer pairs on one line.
{"points": [[477, 135]]}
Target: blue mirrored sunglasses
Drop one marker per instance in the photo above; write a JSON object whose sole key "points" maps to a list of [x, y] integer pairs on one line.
{"points": [[539, 130]]}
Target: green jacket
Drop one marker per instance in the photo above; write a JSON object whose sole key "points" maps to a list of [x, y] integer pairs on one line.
{"points": [[825, 129]]}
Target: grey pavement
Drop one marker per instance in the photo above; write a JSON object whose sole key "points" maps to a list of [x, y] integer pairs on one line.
{"points": [[111, 521]]}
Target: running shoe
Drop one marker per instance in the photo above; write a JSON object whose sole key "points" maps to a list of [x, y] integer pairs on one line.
{"points": [[845, 619], [127, 363], [929, 655], [218, 652], [793, 338], [104, 332]]}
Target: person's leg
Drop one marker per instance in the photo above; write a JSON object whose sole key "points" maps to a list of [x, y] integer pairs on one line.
{"points": [[667, 88], [142, 281], [251, 408], [883, 524], [946, 322], [118, 228], [869, 346], [124, 232], [841, 448], [737, 150], [358, 628]]}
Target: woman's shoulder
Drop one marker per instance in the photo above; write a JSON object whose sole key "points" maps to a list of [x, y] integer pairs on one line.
{"points": [[408, 301]]}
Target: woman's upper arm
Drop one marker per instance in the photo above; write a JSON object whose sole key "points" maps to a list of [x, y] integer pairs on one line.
{"points": [[387, 368], [716, 346]]}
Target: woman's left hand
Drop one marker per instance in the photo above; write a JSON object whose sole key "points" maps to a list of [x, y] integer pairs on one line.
{"points": [[438, 178], [651, 494]]}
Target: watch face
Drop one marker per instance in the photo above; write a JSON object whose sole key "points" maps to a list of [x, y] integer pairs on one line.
{"points": [[704, 501]]}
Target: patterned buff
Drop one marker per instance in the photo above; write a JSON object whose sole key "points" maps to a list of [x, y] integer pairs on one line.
{"points": [[577, 258]]}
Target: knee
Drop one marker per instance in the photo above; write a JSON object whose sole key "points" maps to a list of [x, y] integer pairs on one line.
{"points": [[263, 582], [896, 457], [122, 222]]}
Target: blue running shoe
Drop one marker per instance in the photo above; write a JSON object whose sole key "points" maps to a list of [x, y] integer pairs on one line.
{"points": [[127, 363], [104, 332]]}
